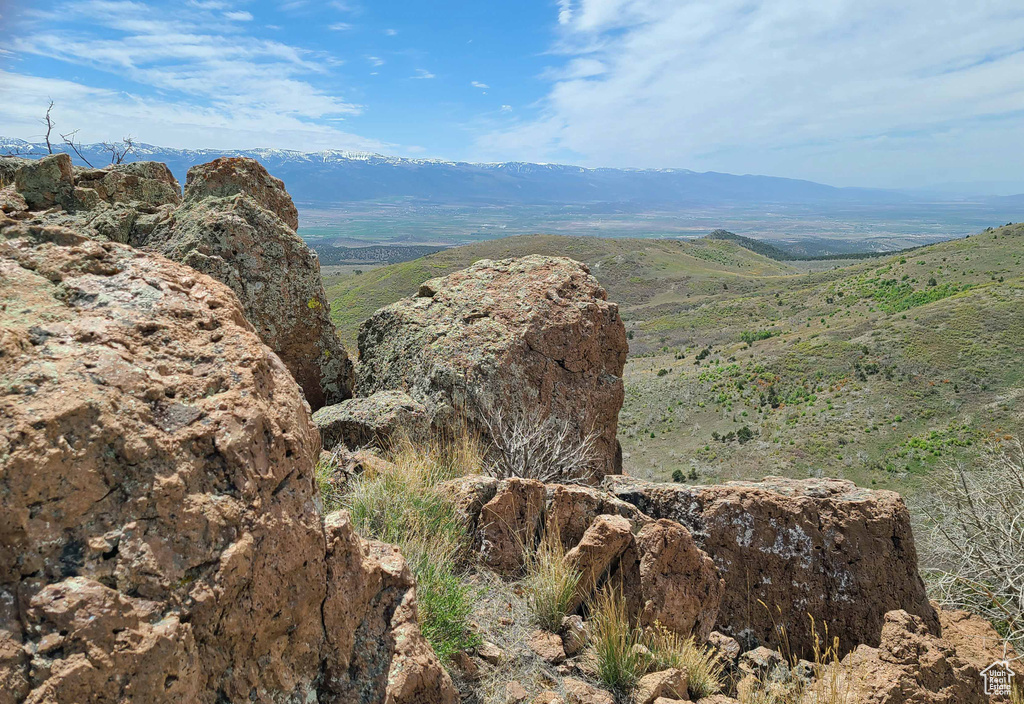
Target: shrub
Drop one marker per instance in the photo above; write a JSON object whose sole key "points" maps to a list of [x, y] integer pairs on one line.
{"points": [[534, 448], [678, 476], [550, 583], [974, 549]]}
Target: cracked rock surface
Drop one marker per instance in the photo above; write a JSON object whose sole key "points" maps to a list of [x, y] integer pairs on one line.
{"points": [[159, 535]]}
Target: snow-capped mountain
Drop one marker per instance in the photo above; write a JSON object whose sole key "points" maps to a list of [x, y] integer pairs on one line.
{"points": [[335, 176]]}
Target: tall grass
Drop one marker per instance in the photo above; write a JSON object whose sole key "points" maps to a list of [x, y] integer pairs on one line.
{"points": [[399, 502], [550, 582], [614, 641], [702, 664]]}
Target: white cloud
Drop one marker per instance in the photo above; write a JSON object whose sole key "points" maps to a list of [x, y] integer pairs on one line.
{"points": [[839, 91], [239, 16], [184, 77], [506, 108], [103, 114], [423, 73], [375, 60], [391, 32], [478, 84], [339, 27]]}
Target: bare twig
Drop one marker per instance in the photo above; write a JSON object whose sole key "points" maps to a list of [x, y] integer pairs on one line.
{"points": [[48, 121], [69, 140], [119, 150], [531, 447]]}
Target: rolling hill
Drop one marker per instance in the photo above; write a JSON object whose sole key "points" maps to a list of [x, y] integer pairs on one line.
{"points": [[740, 365]]}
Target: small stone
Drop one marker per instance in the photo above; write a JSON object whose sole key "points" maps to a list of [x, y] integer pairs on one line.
{"points": [[548, 646], [728, 647], [574, 634], [466, 666], [667, 684], [579, 692], [515, 693], [548, 697], [490, 653]]}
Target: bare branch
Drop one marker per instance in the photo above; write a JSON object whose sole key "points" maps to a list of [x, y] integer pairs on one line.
{"points": [[119, 150], [69, 140], [531, 447], [48, 121], [974, 539]]}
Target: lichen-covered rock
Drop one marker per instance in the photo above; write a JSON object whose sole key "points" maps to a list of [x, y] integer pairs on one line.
{"points": [[469, 495], [910, 666], [11, 201], [229, 176], [46, 182], [533, 338], [159, 536], [380, 420], [670, 684], [238, 241], [680, 586], [510, 522], [822, 547], [149, 183]]}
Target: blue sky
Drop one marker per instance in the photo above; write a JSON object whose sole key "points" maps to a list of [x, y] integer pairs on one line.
{"points": [[849, 92]]}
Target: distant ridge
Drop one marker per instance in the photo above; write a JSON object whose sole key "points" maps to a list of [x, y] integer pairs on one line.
{"points": [[757, 246], [336, 176]]}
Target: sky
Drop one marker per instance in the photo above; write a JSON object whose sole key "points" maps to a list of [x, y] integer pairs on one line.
{"points": [[904, 94]]}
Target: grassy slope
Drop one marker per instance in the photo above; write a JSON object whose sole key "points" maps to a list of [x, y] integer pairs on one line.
{"points": [[632, 270], [869, 373]]}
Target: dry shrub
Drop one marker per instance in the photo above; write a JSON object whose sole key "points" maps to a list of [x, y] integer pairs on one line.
{"points": [[530, 447], [974, 538]]}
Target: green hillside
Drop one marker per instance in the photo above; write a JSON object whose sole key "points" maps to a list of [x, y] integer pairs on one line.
{"points": [[744, 366], [633, 270]]}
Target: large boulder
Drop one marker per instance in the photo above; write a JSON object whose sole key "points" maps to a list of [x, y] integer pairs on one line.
{"points": [[680, 586], [46, 182], [231, 228], [382, 419], [159, 535], [147, 183], [792, 548], [229, 176], [533, 338], [510, 523]]}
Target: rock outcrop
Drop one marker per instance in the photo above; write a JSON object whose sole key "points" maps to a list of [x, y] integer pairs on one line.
{"points": [[379, 420], [533, 338], [821, 547], [236, 224], [910, 665], [159, 536]]}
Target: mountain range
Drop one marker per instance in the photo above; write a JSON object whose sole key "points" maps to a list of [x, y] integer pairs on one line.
{"points": [[333, 176]]}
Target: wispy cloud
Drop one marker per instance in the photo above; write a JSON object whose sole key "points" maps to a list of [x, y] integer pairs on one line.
{"points": [[375, 60], [202, 73], [831, 90], [423, 73], [339, 27], [390, 32], [478, 84]]}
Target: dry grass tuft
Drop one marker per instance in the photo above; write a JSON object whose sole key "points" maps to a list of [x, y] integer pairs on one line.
{"points": [[705, 669], [550, 582]]}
